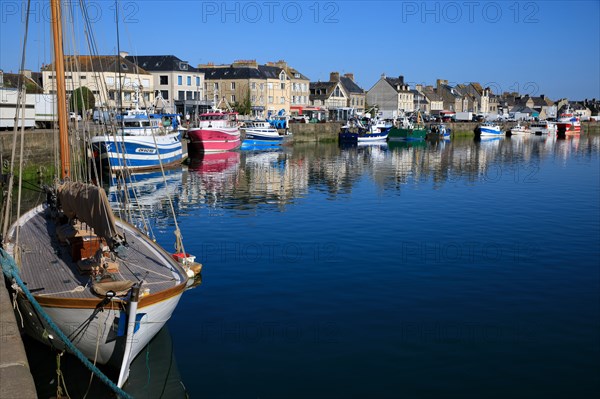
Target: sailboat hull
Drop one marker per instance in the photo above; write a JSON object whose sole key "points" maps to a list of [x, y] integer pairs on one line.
{"points": [[96, 329]]}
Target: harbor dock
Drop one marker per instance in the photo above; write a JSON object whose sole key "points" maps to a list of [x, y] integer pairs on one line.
{"points": [[16, 380]]}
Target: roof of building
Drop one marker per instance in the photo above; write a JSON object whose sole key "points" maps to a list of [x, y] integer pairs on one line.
{"points": [[322, 90], [231, 72], [155, 63], [98, 63], [350, 86]]}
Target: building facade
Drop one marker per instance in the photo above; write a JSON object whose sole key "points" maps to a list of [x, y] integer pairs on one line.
{"points": [[178, 86], [392, 96], [114, 81]]}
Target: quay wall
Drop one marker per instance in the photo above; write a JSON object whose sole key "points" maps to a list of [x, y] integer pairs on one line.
{"points": [[16, 380], [307, 132], [38, 143]]}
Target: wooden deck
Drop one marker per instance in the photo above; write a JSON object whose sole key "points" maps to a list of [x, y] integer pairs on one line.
{"points": [[49, 270]]}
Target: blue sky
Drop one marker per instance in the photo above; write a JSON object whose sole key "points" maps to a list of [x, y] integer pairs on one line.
{"points": [[534, 47]]}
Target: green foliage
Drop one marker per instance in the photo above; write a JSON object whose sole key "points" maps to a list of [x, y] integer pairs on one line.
{"points": [[244, 107], [82, 99]]}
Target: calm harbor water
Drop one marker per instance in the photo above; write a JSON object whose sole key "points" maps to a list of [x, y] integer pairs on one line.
{"points": [[451, 269]]}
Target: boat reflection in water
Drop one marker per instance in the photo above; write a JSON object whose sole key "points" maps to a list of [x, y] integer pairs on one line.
{"points": [[153, 373]]}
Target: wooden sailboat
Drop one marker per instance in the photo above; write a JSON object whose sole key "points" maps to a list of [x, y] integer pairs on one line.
{"points": [[106, 285]]}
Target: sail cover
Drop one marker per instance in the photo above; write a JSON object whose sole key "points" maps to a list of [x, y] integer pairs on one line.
{"points": [[89, 204]]}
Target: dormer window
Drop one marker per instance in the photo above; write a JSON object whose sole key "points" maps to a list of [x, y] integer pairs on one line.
{"points": [[282, 76], [124, 66], [183, 66], [297, 75]]}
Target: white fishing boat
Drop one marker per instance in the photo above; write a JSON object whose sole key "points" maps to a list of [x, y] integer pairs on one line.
{"points": [[519, 129], [490, 129], [85, 281], [542, 127]]}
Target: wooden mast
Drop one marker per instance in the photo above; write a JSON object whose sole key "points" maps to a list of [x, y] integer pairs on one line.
{"points": [[61, 94]]}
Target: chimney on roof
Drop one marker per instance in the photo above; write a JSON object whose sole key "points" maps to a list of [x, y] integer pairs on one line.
{"points": [[383, 76], [349, 76], [334, 77], [401, 79], [543, 96], [123, 54], [419, 87], [26, 73], [440, 82]]}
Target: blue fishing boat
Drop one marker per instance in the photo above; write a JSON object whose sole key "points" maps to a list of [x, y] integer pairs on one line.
{"points": [[490, 129], [261, 133], [366, 130], [140, 142]]}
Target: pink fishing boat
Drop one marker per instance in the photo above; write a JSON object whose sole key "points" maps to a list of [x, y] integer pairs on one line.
{"points": [[216, 131]]}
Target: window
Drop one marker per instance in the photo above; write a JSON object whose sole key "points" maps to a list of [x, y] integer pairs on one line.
{"points": [[253, 85], [282, 86], [145, 82], [233, 98], [127, 96], [111, 95], [179, 80], [282, 76], [232, 85], [281, 100], [270, 86], [197, 80], [262, 86], [253, 98], [164, 79], [189, 80], [164, 94], [270, 99], [189, 95], [216, 86], [181, 95], [83, 77], [293, 99], [147, 96], [183, 66]]}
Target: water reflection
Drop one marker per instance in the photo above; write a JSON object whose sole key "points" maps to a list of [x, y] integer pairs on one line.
{"points": [[276, 177]]}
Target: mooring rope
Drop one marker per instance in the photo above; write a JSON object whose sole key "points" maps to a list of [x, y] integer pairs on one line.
{"points": [[10, 269]]}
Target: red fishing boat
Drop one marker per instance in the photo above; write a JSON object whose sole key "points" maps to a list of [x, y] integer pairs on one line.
{"points": [[216, 131], [568, 122]]}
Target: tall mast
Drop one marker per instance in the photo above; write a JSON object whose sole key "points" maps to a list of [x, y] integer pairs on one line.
{"points": [[61, 94]]}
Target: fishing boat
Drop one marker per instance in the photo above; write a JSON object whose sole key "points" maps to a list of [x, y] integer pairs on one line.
{"points": [[408, 131], [519, 129], [259, 132], [490, 129], [542, 127], [216, 131], [439, 131], [568, 122], [140, 142], [84, 280], [366, 130]]}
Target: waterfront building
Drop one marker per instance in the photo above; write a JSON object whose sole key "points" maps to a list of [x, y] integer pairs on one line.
{"points": [[178, 86], [476, 99], [392, 96], [435, 102], [451, 97], [272, 88], [107, 76], [332, 96], [357, 96]]}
